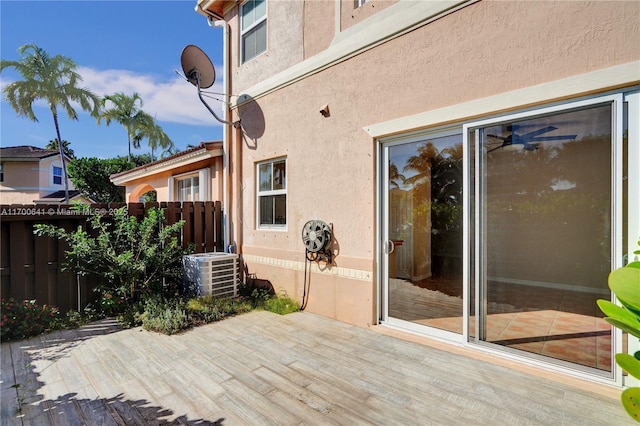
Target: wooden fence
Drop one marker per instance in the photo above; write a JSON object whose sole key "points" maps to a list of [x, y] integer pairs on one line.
{"points": [[31, 266]]}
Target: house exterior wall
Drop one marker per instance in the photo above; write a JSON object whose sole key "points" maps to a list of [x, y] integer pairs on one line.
{"points": [[285, 20], [26, 181], [160, 181], [483, 49], [350, 16], [45, 176]]}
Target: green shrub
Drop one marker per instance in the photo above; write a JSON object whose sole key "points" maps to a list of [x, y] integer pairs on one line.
{"points": [[130, 258], [171, 316], [25, 319], [111, 302], [281, 305], [168, 317], [257, 295], [131, 316]]}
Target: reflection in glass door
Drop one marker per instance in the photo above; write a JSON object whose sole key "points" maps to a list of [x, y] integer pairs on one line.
{"points": [[543, 237], [423, 231]]}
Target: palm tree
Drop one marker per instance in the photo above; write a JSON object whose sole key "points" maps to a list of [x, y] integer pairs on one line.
{"points": [[172, 150], [127, 111], [54, 80], [156, 137], [395, 176], [53, 145]]}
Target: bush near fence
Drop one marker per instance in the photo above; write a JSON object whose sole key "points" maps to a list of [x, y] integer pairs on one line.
{"points": [[31, 266]]}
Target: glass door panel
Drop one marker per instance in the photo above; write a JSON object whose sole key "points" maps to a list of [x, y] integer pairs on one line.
{"points": [[424, 232], [544, 237]]}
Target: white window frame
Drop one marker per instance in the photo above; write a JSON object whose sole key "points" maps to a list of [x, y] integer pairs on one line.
{"points": [[53, 174], [270, 193], [203, 185], [249, 30]]}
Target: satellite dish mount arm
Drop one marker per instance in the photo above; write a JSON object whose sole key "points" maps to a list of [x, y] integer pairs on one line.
{"points": [[195, 75]]}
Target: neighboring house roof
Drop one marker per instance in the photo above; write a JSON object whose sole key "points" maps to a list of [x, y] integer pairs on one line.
{"points": [[60, 194], [201, 152], [58, 197], [25, 153]]}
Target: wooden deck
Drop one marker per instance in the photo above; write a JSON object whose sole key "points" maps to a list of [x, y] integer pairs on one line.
{"points": [[261, 368]]}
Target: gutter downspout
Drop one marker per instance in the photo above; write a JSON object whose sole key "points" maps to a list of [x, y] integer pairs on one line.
{"points": [[225, 130]]}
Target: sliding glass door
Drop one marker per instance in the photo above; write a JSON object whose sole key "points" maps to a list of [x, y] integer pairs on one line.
{"points": [[422, 194], [501, 233], [544, 228]]}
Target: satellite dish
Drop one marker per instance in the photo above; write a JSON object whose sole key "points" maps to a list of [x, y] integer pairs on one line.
{"points": [[197, 65], [198, 69]]}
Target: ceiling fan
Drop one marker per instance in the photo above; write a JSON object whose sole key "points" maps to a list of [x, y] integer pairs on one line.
{"points": [[528, 139]]}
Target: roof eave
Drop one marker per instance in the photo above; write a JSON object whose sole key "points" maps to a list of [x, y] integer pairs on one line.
{"points": [[210, 8], [121, 179]]}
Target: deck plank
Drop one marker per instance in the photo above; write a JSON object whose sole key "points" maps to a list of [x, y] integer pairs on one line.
{"points": [[260, 368]]}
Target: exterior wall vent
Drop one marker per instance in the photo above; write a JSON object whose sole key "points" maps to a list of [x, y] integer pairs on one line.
{"points": [[215, 274]]}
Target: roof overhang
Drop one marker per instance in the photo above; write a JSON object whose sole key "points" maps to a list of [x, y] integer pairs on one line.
{"points": [[213, 9], [121, 179]]}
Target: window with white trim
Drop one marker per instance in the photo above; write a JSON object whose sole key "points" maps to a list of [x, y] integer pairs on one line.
{"points": [[272, 193], [192, 186], [57, 175], [253, 29], [187, 189]]}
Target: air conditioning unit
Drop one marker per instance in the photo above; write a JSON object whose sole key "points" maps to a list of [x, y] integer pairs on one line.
{"points": [[215, 274]]}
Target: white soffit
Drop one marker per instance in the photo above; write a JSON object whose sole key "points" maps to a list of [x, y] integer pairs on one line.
{"points": [[397, 19], [164, 166], [582, 84]]}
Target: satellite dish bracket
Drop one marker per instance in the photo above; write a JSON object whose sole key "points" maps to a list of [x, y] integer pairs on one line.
{"points": [[195, 75], [193, 57]]}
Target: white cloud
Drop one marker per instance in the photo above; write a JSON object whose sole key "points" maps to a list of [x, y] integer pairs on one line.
{"points": [[562, 185], [172, 99]]}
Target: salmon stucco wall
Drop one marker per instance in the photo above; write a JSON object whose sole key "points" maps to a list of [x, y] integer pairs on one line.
{"points": [[484, 49], [26, 181], [160, 181]]}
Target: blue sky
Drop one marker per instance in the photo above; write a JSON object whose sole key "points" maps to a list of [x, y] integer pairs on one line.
{"points": [[119, 46]]}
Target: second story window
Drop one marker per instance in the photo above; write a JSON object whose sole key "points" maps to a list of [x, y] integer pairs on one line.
{"points": [[253, 29], [57, 175]]}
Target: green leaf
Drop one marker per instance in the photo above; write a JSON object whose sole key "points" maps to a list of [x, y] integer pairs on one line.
{"points": [[631, 402], [625, 283], [631, 329], [635, 264], [616, 312], [629, 364]]}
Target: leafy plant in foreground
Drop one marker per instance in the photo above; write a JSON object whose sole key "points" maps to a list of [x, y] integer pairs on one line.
{"points": [[625, 283], [25, 319], [130, 258]]}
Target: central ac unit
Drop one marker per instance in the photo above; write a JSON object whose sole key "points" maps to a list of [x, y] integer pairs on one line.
{"points": [[215, 274]]}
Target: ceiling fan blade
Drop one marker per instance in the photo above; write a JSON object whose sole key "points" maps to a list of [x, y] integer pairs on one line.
{"points": [[535, 133], [553, 138]]}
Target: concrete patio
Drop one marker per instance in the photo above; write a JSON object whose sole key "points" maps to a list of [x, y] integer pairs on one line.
{"points": [[261, 368]]}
